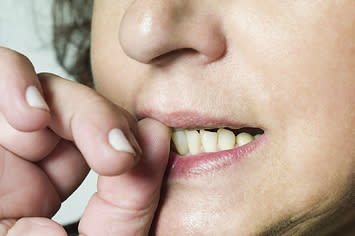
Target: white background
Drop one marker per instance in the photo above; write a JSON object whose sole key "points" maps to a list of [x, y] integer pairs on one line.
{"points": [[25, 26]]}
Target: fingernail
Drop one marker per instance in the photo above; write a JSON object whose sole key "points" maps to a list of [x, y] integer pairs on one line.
{"points": [[119, 142], [35, 99]]}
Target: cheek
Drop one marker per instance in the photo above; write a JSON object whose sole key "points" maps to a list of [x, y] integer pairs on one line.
{"points": [[114, 73], [114, 81], [307, 68], [303, 63]]}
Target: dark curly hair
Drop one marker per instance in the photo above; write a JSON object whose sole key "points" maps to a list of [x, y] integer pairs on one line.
{"points": [[71, 37], [71, 41]]}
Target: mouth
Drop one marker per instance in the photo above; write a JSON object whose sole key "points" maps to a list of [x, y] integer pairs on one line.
{"points": [[202, 145], [204, 151]]}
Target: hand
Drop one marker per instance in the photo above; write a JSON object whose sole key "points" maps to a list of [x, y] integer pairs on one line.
{"points": [[51, 131], [125, 204]]}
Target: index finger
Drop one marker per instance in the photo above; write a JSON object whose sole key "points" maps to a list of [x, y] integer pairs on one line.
{"points": [[104, 133]]}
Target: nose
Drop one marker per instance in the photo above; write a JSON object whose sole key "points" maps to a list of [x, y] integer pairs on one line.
{"points": [[153, 28]]}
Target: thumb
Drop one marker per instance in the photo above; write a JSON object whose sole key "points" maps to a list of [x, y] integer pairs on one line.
{"points": [[125, 204]]}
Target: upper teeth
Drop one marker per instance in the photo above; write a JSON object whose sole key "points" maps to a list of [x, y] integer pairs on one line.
{"points": [[192, 142], [226, 139], [209, 140]]}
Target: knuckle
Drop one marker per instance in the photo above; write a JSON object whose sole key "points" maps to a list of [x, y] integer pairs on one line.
{"points": [[14, 58], [15, 67]]}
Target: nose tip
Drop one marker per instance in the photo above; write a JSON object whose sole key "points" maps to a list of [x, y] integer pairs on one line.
{"points": [[143, 37], [149, 31]]}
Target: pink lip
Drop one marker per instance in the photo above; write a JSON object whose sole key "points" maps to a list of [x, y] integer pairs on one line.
{"points": [[188, 119], [208, 163]]}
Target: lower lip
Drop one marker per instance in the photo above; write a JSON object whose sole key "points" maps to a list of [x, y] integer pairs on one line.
{"points": [[209, 163]]}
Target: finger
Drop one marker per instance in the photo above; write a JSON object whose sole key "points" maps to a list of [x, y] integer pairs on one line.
{"points": [[103, 132], [24, 189], [32, 146], [65, 167], [31, 226], [125, 205], [21, 101]]}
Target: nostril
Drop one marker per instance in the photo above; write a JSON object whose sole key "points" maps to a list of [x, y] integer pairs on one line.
{"points": [[173, 55]]}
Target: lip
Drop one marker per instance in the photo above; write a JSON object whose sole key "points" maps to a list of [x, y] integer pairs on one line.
{"points": [[210, 163], [188, 119]]}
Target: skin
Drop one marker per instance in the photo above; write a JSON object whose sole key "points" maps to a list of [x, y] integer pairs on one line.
{"points": [[284, 66], [45, 157]]}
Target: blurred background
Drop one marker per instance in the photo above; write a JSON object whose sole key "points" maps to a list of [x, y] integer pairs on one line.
{"points": [[25, 26]]}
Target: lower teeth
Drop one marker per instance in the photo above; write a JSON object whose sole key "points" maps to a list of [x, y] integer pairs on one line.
{"points": [[192, 142]]}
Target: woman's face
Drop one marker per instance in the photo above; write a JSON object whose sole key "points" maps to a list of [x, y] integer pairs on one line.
{"points": [[284, 66]]}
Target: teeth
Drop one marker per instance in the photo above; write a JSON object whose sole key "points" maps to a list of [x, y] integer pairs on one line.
{"points": [[209, 140], [189, 141], [193, 141], [244, 138], [179, 139], [226, 139]]}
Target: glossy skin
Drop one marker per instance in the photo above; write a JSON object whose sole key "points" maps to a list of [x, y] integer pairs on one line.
{"points": [[284, 66]]}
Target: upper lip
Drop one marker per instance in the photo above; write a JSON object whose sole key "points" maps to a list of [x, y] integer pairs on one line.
{"points": [[160, 100], [191, 119]]}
